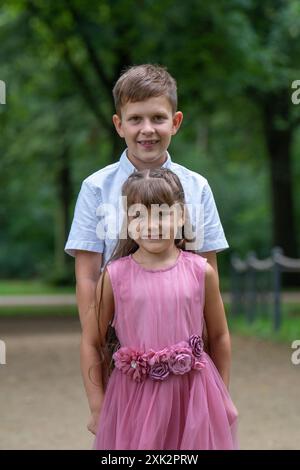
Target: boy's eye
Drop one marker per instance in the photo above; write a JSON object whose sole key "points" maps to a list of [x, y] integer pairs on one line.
{"points": [[159, 118], [134, 118]]}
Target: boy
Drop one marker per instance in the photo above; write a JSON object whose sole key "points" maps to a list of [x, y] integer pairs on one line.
{"points": [[146, 118]]}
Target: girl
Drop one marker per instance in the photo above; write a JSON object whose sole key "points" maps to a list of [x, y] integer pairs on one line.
{"points": [[164, 391]]}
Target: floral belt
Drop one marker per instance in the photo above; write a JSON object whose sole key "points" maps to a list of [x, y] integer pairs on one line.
{"points": [[157, 365]]}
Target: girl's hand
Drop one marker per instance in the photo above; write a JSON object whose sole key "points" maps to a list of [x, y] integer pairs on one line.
{"points": [[93, 422]]}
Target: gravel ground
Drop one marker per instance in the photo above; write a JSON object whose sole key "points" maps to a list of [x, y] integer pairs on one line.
{"points": [[43, 403]]}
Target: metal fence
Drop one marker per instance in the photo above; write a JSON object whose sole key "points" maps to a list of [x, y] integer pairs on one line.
{"points": [[257, 284]]}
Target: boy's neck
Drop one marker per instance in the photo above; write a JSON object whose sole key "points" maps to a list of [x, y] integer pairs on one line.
{"points": [[140, 165]]}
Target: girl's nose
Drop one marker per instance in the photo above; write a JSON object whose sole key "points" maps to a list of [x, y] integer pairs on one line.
{"points": [[154, 227]]}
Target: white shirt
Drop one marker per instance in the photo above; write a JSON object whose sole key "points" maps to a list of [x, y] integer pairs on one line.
{"points": [[104, 187]]}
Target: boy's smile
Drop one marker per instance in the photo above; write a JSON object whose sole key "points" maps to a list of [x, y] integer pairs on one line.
{"points": [[147, 127]]}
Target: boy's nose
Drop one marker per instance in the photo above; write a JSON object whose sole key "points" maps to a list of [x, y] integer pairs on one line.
{"points": [[147, 128]]}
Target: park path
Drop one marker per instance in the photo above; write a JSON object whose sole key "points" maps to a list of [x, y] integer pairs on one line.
{"points": [[43, 404], [70, 299]]}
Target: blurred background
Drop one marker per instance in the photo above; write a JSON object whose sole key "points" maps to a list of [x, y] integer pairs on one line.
{"points": [[235, 62]]}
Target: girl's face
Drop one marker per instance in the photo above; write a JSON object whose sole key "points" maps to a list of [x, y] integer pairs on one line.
{"points": [[155, 228]]}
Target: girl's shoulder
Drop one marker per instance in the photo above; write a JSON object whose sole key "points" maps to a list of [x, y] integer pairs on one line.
{"points": [[196, 263], [195, 259], [118, 263], [117, 270]]}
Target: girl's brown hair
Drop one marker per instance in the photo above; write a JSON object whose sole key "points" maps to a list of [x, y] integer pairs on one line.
{"points": [[147, 187]]}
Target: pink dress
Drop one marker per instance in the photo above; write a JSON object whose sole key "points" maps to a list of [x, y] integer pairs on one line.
{"points": [[154, 310]]}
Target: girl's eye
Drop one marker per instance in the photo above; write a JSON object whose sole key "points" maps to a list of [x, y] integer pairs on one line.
{"points": [[138, 215]]}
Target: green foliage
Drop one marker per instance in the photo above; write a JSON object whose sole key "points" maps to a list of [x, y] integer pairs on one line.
{"points": [[18, 287], [60, 61], [262, 326], [47, 311]]}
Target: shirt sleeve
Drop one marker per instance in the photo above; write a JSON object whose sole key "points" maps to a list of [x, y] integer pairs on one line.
{"points": [[214, 237], [84, 233]]}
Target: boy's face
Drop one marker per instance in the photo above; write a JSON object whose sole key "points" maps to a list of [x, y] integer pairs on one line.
{"points": [[147, 127]]}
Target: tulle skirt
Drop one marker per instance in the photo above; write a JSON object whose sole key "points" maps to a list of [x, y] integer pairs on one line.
{"points": [[190, 411]]}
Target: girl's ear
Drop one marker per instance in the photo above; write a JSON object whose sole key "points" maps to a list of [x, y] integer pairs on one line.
{"points": [[118, 124], [180, 223], [181, 218]]}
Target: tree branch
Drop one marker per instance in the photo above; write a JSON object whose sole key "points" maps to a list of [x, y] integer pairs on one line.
{"points": [[83, 85], [95, 61], [85, 90]]}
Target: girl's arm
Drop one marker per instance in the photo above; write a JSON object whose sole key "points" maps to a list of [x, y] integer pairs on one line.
{"points": [[91, 339], [217, 329]]}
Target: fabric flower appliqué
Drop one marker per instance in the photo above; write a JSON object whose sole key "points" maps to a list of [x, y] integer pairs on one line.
{"points": [[178, 359]]}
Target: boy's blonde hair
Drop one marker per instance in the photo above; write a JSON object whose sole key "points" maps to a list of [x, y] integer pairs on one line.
{"points": [[141, 82]]}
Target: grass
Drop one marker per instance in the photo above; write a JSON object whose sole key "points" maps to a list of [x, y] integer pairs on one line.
{"points": [[262, 326], [18, 287], [38, 311]]}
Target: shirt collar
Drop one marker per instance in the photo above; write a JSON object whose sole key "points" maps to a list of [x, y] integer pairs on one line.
{"points": [[130, 168]]}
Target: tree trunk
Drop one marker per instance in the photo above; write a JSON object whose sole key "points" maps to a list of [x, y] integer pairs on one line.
{"points": [[279, 136], [279, 140], [63, 183]]}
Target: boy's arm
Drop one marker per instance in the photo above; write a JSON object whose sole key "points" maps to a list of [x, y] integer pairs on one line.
{"points": [[217, 329], [214, 240], [214, 237], [87, 271], [93, 335], [86, 243]]}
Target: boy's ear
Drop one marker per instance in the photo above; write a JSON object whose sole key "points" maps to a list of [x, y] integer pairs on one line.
{"points": [[177, 120], [118, 124]]}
